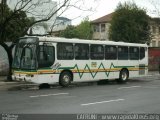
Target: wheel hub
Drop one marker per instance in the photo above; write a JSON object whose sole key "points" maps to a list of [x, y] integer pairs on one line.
{"points": [[66, 78], [124, 76]]}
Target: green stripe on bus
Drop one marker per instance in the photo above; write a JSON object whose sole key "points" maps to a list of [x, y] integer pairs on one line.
{"points": [[24, 70], [93, 74], [124, 66]]}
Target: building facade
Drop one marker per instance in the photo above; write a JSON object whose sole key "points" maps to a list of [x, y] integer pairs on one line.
{"points": [[101, 27], [155, 32], [102, 24]]}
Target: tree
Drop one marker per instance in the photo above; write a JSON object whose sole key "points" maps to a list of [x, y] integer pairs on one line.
{"points": [[15, 27], [84, 29], [11, 29], [69, 32], [130, 24], [10, 20]]}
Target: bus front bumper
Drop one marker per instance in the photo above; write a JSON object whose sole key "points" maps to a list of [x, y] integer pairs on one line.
{"points": [[21, 78]]}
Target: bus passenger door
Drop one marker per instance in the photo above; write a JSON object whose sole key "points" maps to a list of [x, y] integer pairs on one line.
{"points": [[46, 58]]}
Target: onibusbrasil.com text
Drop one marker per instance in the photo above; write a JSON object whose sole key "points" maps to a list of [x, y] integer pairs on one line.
{"points": [[118, 116]]}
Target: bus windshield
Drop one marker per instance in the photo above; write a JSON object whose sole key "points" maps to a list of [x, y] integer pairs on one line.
{"points": [[25, 54]]}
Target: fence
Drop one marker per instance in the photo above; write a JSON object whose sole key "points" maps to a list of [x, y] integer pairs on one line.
{"points": [[154, 58]]}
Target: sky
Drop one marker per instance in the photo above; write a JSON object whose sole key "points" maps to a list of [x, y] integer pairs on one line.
{"points": [[101, 8]]}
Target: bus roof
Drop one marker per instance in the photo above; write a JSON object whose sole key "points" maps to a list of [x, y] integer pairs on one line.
{"points": [[75, 40]]}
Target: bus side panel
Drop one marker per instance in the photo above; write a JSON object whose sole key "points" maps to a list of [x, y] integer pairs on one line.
{"points": [[101, 69], [96, 70], [80, 70], [89, 70], [131, 65], [47, 78]]}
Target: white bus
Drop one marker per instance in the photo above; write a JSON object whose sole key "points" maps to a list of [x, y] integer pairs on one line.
{"points": [[58, 60]]}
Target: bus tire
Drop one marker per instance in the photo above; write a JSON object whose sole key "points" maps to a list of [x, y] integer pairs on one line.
{"points": [[65, 79], [123, 76]]}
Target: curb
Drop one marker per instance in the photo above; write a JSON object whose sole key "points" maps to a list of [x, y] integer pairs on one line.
{"points": [[13, 86], [4, 86]]}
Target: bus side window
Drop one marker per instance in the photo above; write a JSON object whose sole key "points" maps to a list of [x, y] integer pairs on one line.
{"points": [[97, 52], [142, 52], [123, 53], [65, 51], [110, 52], [134, 53], [81, 51]]}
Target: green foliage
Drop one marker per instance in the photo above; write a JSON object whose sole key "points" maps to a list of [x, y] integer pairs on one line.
{"points": [[130, 24], [82, 31], [13, 24], [69, 32]]}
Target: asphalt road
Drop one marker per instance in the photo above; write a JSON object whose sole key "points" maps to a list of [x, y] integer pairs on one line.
{"points": [[139, 95]]}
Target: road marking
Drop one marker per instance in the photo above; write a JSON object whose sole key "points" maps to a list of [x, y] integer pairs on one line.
{"points": [[102, 102], [152, 75], [49, 95], [129, 87], [151, 87]]}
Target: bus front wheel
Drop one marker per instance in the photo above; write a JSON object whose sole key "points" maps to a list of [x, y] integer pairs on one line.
{"points": [[123, 76], [65, 79]]}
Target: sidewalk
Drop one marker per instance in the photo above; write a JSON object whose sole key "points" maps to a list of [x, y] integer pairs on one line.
{"points": [[153, 73], [6, 85]]}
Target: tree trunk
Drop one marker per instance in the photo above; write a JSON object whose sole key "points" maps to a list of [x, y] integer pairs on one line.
{"points": [[10, 59]]}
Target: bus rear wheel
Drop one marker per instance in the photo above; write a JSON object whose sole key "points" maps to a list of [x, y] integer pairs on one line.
{"points": [[123, 76], [65, 79]]}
